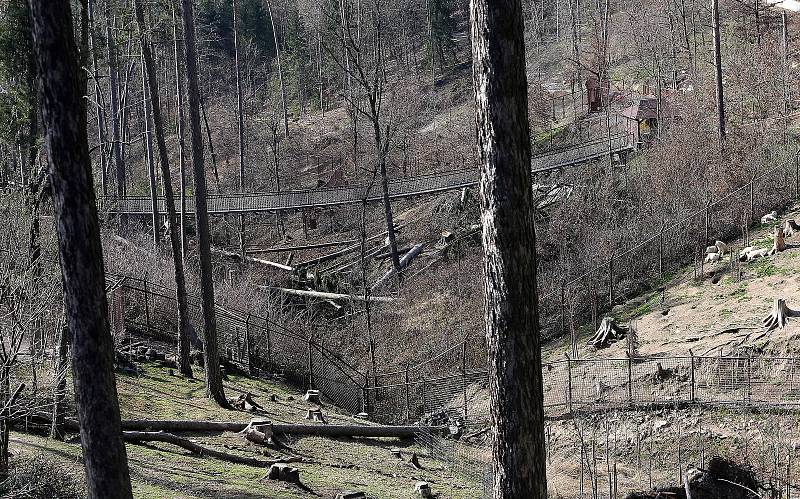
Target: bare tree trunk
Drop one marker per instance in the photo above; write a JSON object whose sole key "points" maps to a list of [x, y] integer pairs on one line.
{"points": [[180, 130], [240, 123], [718, 70], [184, 326], [512, 321], [80, 251], [214, 388], [113, 83], [280, 70], [148, 142], [100, 102], [59, 394]]}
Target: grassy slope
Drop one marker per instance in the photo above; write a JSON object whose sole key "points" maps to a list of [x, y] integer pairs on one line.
{"points": [[333, 465]]}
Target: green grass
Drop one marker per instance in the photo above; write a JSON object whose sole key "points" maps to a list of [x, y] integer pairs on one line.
{"points": [[329, 465]]}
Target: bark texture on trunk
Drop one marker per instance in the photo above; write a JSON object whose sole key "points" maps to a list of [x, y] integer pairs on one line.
{"points": [[214, 388], [184, 325], [80, 252], [512, 322]]}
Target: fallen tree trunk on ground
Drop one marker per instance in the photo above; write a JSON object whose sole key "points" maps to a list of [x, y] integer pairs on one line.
{"points": [[238, 258], [144, 425], [404, 262], [328, 296], [160, 436]]}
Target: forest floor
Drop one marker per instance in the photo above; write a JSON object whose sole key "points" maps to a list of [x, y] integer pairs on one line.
{"points": [[329, 465]]}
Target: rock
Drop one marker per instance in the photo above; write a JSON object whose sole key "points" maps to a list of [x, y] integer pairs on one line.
{"points": [[284, 473], [312, 396], [351, 494], [362, 415], [423, 489]]}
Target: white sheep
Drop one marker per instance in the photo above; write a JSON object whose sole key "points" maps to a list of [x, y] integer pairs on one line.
{"points": [[758, 253], [712, 257], [769, 217], [722, 247]]}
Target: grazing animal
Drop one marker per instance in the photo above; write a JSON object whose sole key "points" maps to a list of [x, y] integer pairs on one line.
{"points": [[744, 252], [769, 217], [711, 250], [758, 253], [712, 257], [722, 247]]}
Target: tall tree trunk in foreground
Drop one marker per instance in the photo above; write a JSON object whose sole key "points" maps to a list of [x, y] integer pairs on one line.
{"points": [[80, 252], [214, 389], [512, 321], [169, 198]]}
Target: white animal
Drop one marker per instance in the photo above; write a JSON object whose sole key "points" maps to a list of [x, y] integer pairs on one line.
{"points": [[744, 252], [712, 250], [789, 228], [769, 217], [722, 247], [712, 257], [757, 253]]}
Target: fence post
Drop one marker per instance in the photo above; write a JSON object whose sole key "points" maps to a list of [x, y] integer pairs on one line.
{"points": [[408, 398], [797, 175], [423, 394], [464, 373], [611, 281], [630, 379], [708, 222], [752, 200], [310, 366], [691, 376], [661, 251], [146, 303], [569, 383], [749, 381], [269, 351], [248, 345], [563, 312]]}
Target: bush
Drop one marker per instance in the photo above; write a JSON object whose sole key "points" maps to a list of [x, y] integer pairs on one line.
{"points": [[40, 477]]}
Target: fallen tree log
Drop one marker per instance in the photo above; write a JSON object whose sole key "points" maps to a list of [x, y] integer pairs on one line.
{"points": [[180, 425], [194, 448], [404, 262], [349, 249], [238, 258], [328, 296]]}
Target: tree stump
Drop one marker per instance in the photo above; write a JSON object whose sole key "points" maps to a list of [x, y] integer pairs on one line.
{"points": [[284, 473], [779, 316], [316, 415], [423, 489], [608, 333], [312, 396]]}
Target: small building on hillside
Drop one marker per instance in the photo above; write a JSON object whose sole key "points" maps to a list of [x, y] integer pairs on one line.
{"points": [[642, 118], [596, 94]]}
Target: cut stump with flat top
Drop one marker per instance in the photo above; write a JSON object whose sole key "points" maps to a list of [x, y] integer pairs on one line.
{"points": [[779, 316]]}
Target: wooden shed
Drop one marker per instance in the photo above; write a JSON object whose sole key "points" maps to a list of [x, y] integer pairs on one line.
{"points": [[596, 95], [641, 119]]}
